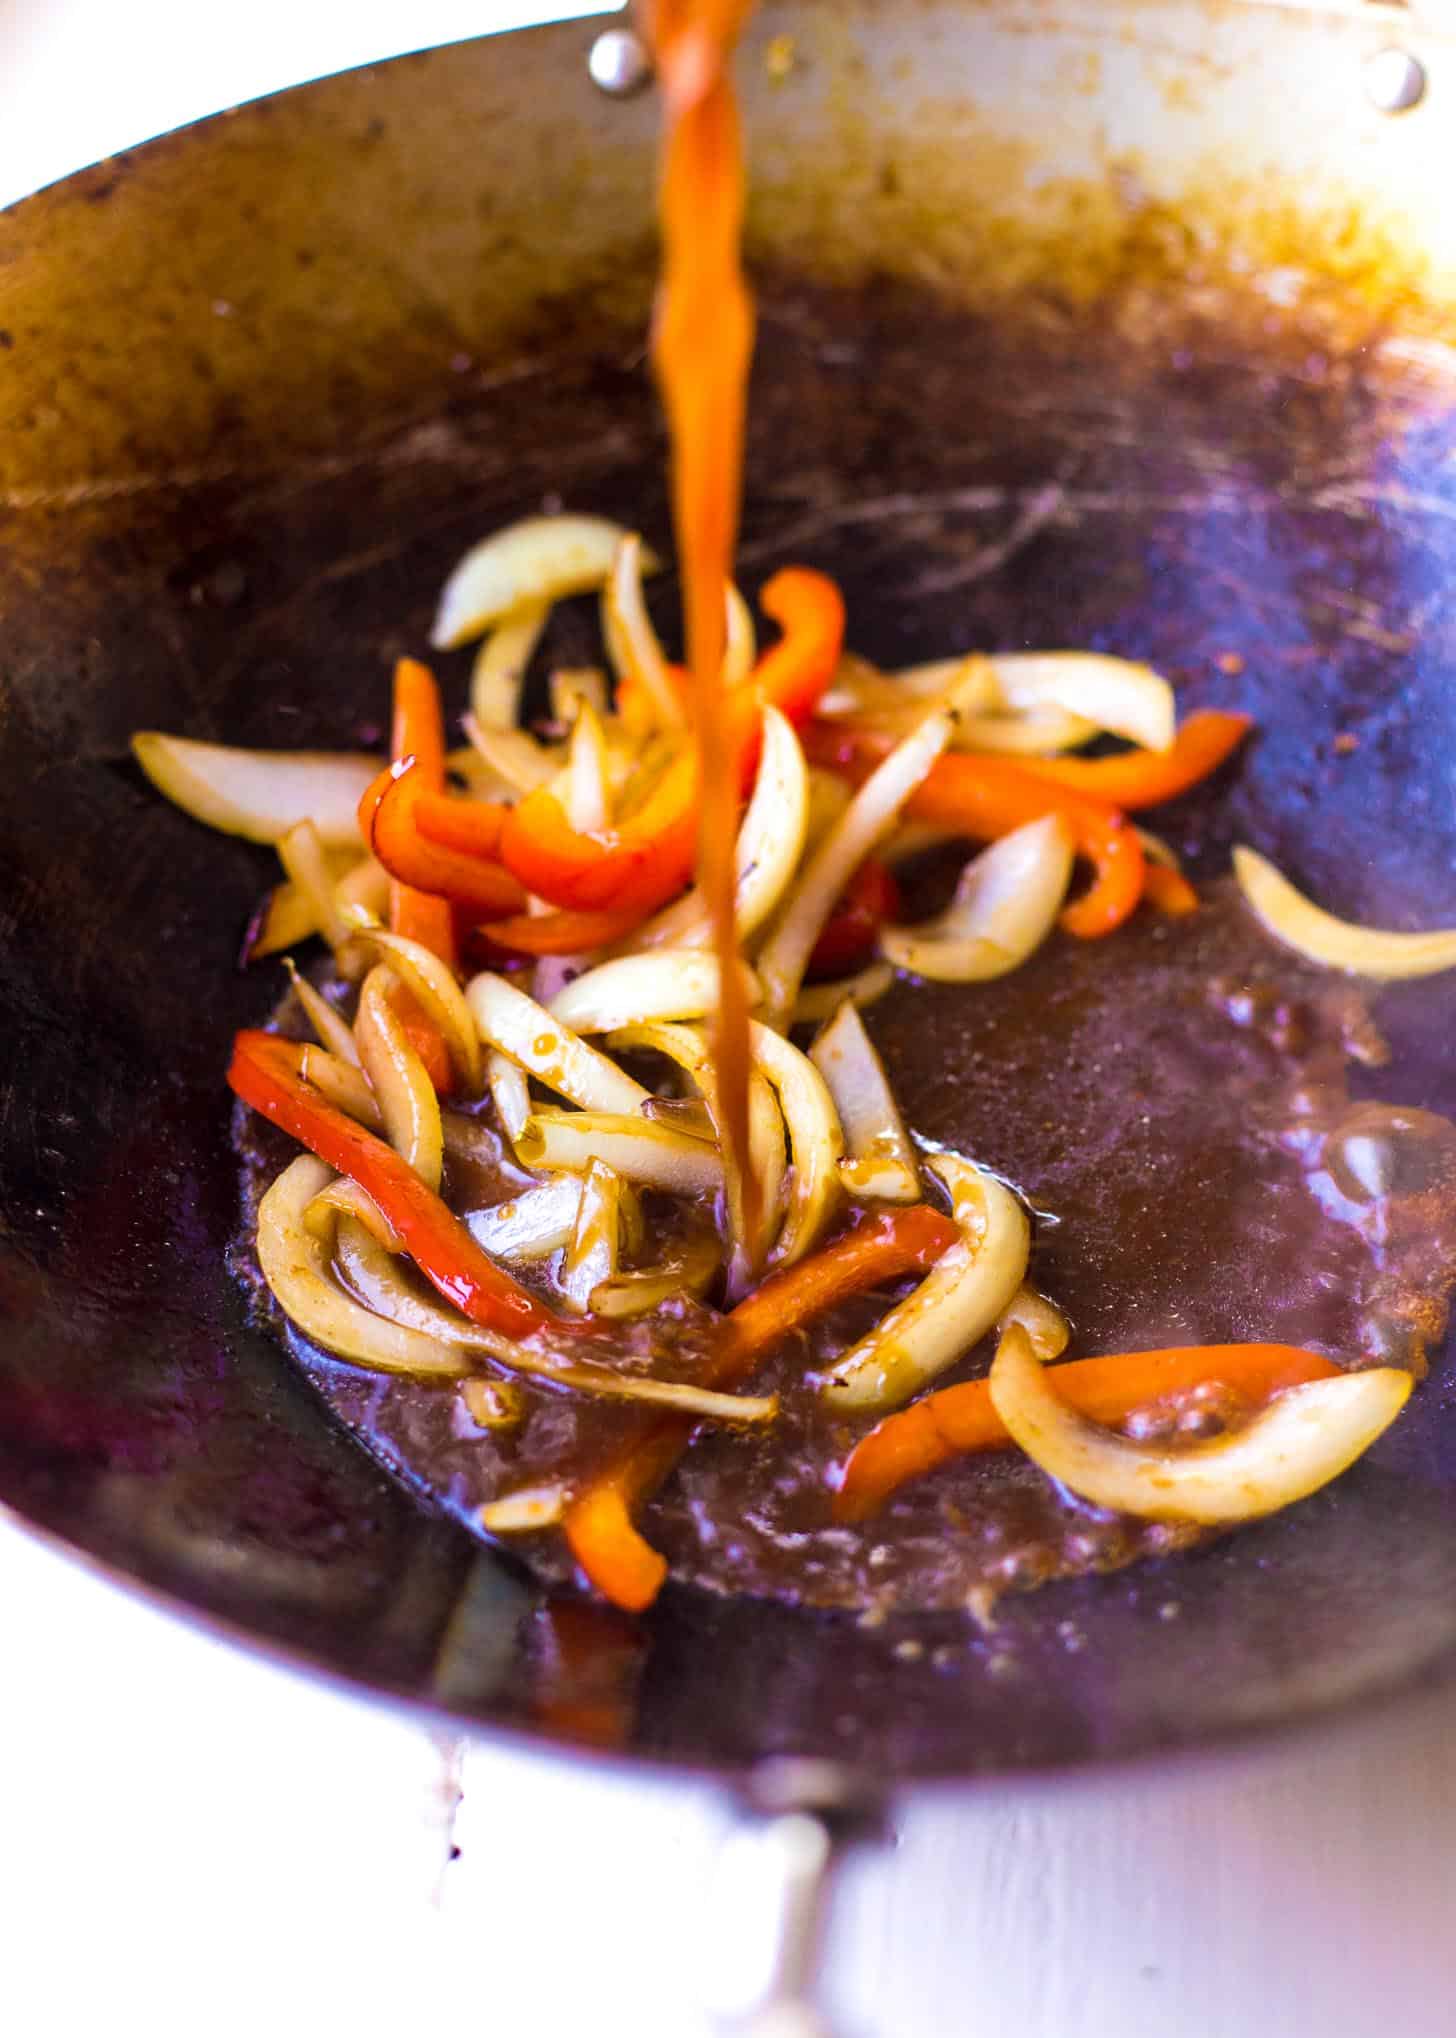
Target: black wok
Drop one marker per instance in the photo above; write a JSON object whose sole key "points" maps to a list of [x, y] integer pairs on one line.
{"points": [[1126, 321]]}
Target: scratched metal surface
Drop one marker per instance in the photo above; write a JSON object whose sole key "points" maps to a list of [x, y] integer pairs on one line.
{"points": [[1089, 412]]}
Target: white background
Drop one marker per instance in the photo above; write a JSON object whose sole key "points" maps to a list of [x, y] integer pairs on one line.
{"points": [[192, 1839]]}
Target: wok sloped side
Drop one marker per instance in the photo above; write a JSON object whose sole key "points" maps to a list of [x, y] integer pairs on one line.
{"points": [[263, 382]]}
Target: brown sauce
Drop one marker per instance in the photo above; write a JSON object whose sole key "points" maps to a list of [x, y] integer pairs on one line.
{"points": [[1183, 1106]]}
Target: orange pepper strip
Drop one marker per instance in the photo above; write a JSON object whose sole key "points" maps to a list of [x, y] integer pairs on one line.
{"points": [[1145, 778], [471, 826], [957, 1420], [1169, 891], [419, 731], [648, 858], [616, 1557], [388, 823], [985, 797], [562, 933], [265, 1073]]}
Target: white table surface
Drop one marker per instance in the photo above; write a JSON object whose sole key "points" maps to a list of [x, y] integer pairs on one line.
{"points": [[195, 1839]]}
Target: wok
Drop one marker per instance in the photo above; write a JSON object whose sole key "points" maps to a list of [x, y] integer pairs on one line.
{"points": [[1119, 326]]}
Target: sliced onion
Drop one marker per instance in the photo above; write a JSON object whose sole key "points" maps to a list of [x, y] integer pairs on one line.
{"points": [[1005, 905], [829, 795], [531, 1035], [635, 1146], [740, 640], [301, 852], [259, 793], [510, 1094], [574, 687], [345, 1198], [498, 677], [530, 1226], [294, 1264], [1338, 944], [818, 1002], [402, 1087], [523, 1512], [1115, 694], [668, 983], [770, 844], [380, 1282], [289, 916], [816, 1144], [956, 1303], [433, 983], [1305, 1437], [479, 780], [588, 798], [539, 559], [332, 1028], [496, 1405], [514, 757], [869, 816], [879, 1157], [687, 1047], [630, 636], [686, 1268], [1040, 1318], [591, 1252], [1044, 733], [342, 1083]]}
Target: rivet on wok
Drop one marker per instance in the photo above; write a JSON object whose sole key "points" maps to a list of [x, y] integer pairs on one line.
{"points": [[619, 64], [1395, 80]]}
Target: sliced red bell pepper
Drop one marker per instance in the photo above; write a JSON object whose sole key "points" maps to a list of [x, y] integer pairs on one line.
{"points": [[956, 1420], [986, 797], [847, 939], [471, 826], [388, 821], [1145, 778], [265, 1073], [562, 933], [616, 1557], [792, 674], [419, 732]]}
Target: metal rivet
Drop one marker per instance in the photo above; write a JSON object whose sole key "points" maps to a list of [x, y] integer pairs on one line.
{"points": [[619, 64], [1395, 80]]}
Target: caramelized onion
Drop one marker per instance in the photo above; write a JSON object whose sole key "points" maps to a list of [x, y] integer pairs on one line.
{"points": [[400, 1082], [259, 793], [433, 983], [879, 1159], [1005, 905], [591, 1251], [539, 559], [666, 983], [816, 1143], [1304, 1438], [956, 1303], [636, 1147], [332, 1028], [1338, 944], [540, 1042], [529, 1226]]}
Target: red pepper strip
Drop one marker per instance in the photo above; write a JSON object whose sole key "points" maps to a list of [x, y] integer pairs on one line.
{"points": [[1169, 891], [617, 1559], [562, 933], [956, 1420], [646, 859], [264, 1073], [471, 826], [388, 823], [419, 732], [1145, 778], [985, 797], [848, 938]]}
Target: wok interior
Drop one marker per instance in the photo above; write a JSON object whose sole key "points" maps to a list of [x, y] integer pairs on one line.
{"points": [[1083, 451]]}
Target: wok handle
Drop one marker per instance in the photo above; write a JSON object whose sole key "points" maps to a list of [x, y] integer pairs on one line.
{"points": [[776, 1873]]}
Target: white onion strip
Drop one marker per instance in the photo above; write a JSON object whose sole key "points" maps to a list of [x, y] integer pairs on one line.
{"points": [[510, 1094], [1305, 1437], [816, 1143], [591, 1252], [957, 1302], [1005, 905], [401, 1085], [498, 677], [636, 1147], [1338, 944], [879, 1160], [1040, 1318], [668, 983], [342, 1082], [260, 794], [818, 1002], [628, 630], [301, 852], [770, 845], [539, 559], [525, 1511], [516, 758], [346, 1198], [531, 1225], [294, 1263], [869, 816], [687, 1267], [332, 1028], [380, 1283], [532, 1036]]}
